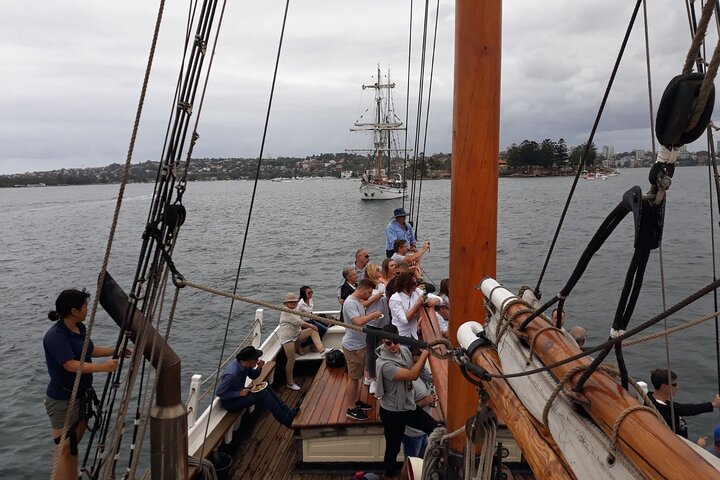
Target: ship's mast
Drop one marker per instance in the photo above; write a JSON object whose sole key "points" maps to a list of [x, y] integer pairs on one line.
{"points": [[473, 217], [383, 124]]}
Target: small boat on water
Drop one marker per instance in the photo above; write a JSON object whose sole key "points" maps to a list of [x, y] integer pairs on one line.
{"points": [[595, 176]]}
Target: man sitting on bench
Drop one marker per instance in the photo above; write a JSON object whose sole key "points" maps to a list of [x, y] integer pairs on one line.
{"points": [[234, 396]]}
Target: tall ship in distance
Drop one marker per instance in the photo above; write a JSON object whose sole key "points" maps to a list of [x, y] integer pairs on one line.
{"points": [[383, 178]]}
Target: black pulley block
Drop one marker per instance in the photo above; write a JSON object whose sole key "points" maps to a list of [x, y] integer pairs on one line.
{"points": [[676, 107], [174, 215]]}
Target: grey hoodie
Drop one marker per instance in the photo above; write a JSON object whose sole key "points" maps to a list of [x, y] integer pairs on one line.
{"points": [[396, 396]]}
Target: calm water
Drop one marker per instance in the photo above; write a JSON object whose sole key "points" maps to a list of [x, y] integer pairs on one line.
{"points": [[304, 232]]}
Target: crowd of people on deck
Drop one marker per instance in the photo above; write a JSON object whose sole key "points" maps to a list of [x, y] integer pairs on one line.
{"points": [[387, 297]]}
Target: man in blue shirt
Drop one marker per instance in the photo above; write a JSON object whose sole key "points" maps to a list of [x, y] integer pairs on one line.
{"points": [[235, 396], [398, 229]]}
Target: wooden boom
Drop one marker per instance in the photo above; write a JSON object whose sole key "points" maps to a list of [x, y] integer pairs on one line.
{"points": [[534, 440], [646, 440]]}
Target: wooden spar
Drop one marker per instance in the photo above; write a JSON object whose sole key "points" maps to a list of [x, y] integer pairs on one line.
{"points": [[538, 447], [539, 450], [643, 438], [473, 217]]}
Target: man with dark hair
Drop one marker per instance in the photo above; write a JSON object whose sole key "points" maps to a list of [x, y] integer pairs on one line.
{"points": [[396, 371], [354, 346], [664, 392], [235, 396]]}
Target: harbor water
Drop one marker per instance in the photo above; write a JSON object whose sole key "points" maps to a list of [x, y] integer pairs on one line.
{"points": [[304, 232]]}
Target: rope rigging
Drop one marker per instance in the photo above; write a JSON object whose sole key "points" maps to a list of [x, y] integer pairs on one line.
{"points": [[111, 236], [164, 220], [407, 102], [588, 144], [427, 118], [250, 210], [683, 114]]}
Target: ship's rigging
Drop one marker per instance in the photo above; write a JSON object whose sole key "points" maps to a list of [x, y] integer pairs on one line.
{"points": [[155, 268]]}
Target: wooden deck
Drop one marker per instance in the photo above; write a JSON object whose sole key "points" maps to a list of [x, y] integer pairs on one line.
{"points": [[264, 449], [323, 444], [324, 403]]}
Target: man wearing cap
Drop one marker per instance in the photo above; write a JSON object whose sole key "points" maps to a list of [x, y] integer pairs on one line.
{"points": [[398, 229], [292, 331], [235, 396]]}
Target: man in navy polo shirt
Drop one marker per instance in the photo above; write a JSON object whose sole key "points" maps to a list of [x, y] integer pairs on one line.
{"points": [[235, 396]]}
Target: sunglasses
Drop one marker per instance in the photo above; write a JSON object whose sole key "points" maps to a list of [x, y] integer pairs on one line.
{"points": [[389, 342], [367, 256]]}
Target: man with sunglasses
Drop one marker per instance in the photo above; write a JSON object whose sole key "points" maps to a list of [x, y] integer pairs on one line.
{"points": [[662, 395], [362, 258], [396, 372]]}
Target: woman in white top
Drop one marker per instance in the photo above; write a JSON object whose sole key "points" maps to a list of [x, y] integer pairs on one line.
{"points": [[406, 303], [293, 329]]}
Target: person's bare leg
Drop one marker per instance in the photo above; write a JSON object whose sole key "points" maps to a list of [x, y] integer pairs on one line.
{"points": [[67, 464]]}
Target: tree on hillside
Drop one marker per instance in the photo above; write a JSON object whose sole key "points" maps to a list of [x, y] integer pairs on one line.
{"points": [[560, 156], [578, 151], [546, 154]]}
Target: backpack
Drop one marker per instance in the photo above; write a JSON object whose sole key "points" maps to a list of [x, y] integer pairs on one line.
{"points": [[335, 359]]}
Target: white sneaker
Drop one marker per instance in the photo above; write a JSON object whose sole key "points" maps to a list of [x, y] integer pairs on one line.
{"points": [[373, 388], [325, 352], [367, 381], [293, 386]]}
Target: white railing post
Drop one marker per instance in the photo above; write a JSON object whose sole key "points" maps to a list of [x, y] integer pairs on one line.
{"points": [[257, 328], [193, 399]]}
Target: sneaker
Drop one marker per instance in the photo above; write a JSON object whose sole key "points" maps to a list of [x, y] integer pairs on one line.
{"points": [[373, 388], [360, 405], [356, 414], [293, 386], [367, 381]]}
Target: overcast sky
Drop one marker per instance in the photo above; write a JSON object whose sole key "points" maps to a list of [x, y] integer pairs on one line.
{"points": [[72, 71]]}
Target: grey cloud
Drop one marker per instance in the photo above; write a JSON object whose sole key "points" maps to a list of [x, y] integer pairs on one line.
{"points": [[72, 75]]}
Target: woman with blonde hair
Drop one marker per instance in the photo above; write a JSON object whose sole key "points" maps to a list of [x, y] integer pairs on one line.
{"points": [[374, 273]]}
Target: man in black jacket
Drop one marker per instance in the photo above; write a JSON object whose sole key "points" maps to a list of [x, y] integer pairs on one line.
{"points": [[661, 399]]}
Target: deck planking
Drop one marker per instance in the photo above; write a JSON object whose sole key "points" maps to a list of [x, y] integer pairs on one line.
{"points": [[324, 404], [265, 450]]}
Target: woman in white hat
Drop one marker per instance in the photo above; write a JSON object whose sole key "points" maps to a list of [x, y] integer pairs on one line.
{"points": [[293, 330]]}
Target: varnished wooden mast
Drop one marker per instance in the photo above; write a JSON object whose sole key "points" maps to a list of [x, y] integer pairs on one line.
{"points": [[473, 218]]}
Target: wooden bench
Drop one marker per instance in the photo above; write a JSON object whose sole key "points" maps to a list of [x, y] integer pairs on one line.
{"points": [[227, 422]]}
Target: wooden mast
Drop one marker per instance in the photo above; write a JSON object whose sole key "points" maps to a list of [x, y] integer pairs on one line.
{"points": [[473, 217]]}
